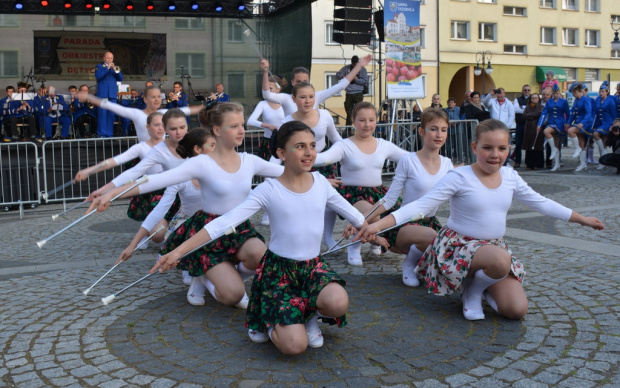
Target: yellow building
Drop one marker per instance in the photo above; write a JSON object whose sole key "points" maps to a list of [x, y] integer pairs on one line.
{"points": [[523, 39]]}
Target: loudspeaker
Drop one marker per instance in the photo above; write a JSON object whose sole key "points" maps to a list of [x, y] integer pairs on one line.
{"points": [[357, 39], [353, 13], [378, 17], [354, 3], [352, 26]]}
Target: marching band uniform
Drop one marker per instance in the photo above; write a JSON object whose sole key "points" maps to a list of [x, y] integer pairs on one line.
{"points": [[60, 116], [106, 89], [605, 114], [181, 102], [83, 114]]}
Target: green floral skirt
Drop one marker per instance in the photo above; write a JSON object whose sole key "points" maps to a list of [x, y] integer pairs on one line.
{"points": [[223, 249], [140, 206], [263, 149], [284, 292]]}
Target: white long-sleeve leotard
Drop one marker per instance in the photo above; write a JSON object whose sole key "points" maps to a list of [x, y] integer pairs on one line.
{"points": [[358, 168], [136, 115], [289, 106], [270, 116], [477, 211], [137, 151], [415, 180], [325, 127], [190, 203], [158, 155], [296, 219], [220, 190]]}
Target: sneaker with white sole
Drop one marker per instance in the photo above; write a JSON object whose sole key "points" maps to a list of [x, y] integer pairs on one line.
{"points": [[356, 261], [315, 340], [375, 249], [243, 303], [196, 292], [187, 280], [257, 336]]}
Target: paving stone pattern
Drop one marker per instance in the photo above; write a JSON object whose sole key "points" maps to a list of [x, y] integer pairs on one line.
{"points": [[52, 335]]}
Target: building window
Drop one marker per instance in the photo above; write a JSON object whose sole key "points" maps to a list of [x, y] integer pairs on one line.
{"points": [[515, 49], [547, 35], [592, 75], [592, 38], [593, 6], [371, 88], [547, 4], [331, 80], [258, 89], [487, 32], [261, 31], [9, 20], [570, 37], [235, 31], [571, 73], [515, 11], [422, 37], [615, 19], [460, 30], [189, 24], [570, 5], [235, 83], [615, 54], [8, 64], [122, 21], [193, 63], [329, 33]]}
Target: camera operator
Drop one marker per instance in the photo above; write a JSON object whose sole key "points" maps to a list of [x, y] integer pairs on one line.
{"points": [[613, 141], [355, 90]]}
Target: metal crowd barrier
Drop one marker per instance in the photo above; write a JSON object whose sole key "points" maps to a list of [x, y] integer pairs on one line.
{"points": [[19, 175], [62, 159], [24, 182]]}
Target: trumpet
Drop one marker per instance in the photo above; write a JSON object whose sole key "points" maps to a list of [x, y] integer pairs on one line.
{"points": [[213, 97], [117, 69]]}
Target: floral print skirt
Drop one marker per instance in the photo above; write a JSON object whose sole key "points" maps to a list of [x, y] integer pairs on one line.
{"points": [[263, 149], [140, 206], [447, 260], [284, 292], [223, 249], [329, 171], [429, 222]]}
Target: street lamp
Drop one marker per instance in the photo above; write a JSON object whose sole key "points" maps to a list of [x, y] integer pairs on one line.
{"points": [[483, 57], [615, 44]]}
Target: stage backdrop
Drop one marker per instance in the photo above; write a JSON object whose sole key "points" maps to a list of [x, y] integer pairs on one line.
{"points": [[402, 47], [74, 54]]}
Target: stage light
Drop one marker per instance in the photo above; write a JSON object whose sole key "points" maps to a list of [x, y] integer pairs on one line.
{"points": [[129, 5], [194, 5], [149, 6], [106, 4], [44, 3], [171, 6], [241, 6], [68, 4], [19, 4], [218, 7], [89, 4]]}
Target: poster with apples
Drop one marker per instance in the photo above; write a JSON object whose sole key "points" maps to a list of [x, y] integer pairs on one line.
{"points": [[402, 45]]}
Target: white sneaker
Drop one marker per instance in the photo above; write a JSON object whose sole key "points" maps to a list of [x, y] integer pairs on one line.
{"points": [[144, 246], [257, 336], [196, 292], [187, 280], [356, 261], [315, 340], [410, 278], [243, 303], [472, 309], [375, 249]]}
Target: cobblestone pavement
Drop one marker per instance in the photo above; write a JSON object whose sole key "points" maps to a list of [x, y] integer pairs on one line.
{"points": [[52, 335]]}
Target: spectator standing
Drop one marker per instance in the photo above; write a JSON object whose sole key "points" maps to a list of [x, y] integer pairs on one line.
{"points": [[355, 90], [436, 102], [465, 103], [533, 138], [454, 144], [520, 103]]}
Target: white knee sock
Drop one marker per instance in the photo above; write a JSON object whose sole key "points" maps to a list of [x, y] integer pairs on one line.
{"points": [[312, 326], [552, 147], [601, 147], [472, 295], [210, 286], [411, 261], [355, 254], [575, 142], [269, 333], [490, 300], [244, 272], [328, 228]]}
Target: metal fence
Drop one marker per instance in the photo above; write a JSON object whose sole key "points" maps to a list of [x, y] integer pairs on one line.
{"points": [[27, 178], [19, 175]]}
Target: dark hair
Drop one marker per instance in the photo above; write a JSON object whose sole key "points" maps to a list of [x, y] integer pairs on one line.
{"points": [[150, 117], [474, 93], [195, 137], [299, 70], [280, 136], [215, 115], [9, 88], [362, 105], [72, 87], [355, 59], [432, 114], [490, 125], [278, 80], [300, 85], [173, 113], [149, 88], [178, 83], [84, 85], [452, 99]]}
